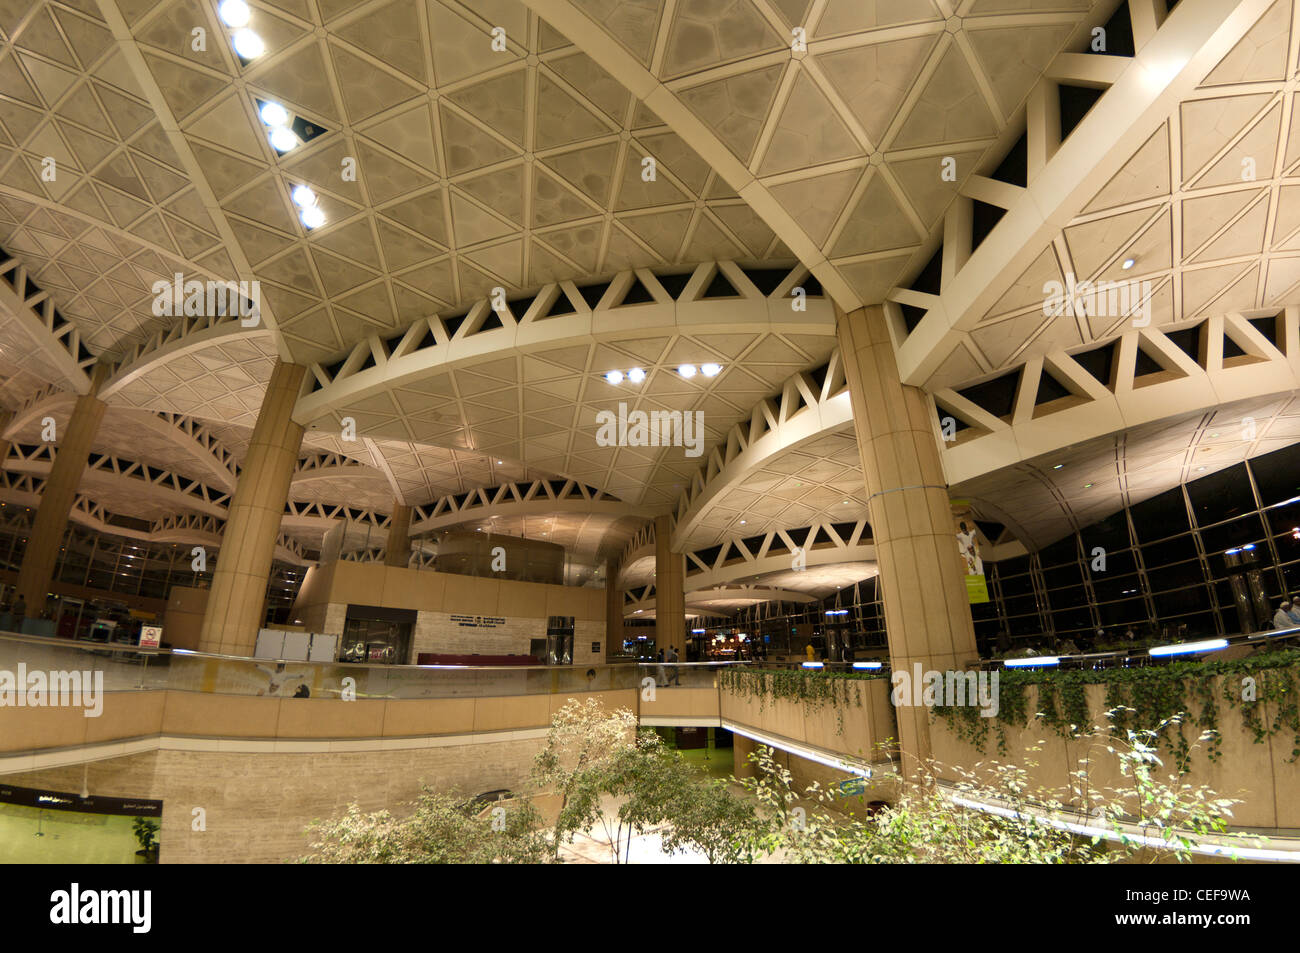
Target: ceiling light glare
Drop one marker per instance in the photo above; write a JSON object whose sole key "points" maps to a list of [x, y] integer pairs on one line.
{"points": [[274, 115], [312, 217], [249, 45], [233, 13], [711, 370], [303, 197], [1128, 263], [283, 139], [687, 371], [614, 377], [636, 375]]}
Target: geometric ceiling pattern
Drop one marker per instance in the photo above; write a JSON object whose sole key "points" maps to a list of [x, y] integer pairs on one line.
{"points": [[842, 136], [539, 406], [1206, 209], [528, 165]]}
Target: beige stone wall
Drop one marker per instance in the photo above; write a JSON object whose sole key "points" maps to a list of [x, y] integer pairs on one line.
{"points": [[328, 590], [257, 806], [856, 730], [184, 617], [1257, 774]]}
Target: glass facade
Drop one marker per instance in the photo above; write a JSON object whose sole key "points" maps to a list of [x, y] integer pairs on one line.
{"points": [[1163, 567]]}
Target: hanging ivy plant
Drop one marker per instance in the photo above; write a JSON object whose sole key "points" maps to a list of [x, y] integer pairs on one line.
{"points": [[810, 688], [1142, 698]]}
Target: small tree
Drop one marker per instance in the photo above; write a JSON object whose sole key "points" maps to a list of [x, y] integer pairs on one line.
{"points": [[443, 829]]}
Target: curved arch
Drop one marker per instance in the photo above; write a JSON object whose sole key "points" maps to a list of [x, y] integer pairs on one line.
{"points": [[538, 498], [805, 410], [436, 345]]}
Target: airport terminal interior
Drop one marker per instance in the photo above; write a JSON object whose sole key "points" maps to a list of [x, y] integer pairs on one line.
{"points": [[400, 396]]}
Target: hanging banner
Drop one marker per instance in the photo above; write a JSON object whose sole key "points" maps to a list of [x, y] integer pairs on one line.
{"points": [[968, 547]]}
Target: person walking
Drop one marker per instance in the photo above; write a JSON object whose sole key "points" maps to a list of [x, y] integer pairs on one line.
{"points": [[672, 675]]}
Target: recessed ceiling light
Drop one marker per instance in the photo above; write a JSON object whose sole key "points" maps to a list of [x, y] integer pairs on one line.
{"points": [[1087, 486], [687, 371], [283, 139], [636, 375], [614, 377], [711, 370], [249, 45], [498, 464], [303, 196], [1058, 466], [273, 114], [233, 13], [1199, 469], [1128, 263], [312, 217]]}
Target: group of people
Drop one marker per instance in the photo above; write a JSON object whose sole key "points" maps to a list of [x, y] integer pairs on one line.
{"points": [[1287, 615]]}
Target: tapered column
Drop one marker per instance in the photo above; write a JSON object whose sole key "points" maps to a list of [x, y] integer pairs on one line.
{"points": [[670, 595], [72, 451], [397, 552], [927, 613], [237, 600], [613, 609]]}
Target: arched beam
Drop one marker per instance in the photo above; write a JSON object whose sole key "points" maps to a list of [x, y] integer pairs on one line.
{"points": [[538, 498], [805, 410], [1141, 94], [433, 346], [188, 335], [56, 340], [793, 550], [47, 401]]}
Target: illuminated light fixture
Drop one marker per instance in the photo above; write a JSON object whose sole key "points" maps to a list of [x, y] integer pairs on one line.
{"points": [[1248, 547], [274, 115], [871, 665], [614, 377], [1031, 662], [1128, 263], [498, 464], [312, 217], [636, 375], [697, 631], [303, 196], [1231, 552], [1189, 648], [234, 13], [687, 371], [249, 45], [711, 370], [837, 611], [1087, 486], [1058, 466], [813, 665], [282, 139]]}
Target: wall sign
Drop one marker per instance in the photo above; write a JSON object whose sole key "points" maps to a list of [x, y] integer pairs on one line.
{"points": [[478, 621], [150, 636]]}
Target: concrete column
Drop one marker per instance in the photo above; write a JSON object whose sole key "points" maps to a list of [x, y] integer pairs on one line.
{"points": [[670, 594], [741, 749], [237, 601], [613, 609], [42, 553], [927, 614], [397, 552]]}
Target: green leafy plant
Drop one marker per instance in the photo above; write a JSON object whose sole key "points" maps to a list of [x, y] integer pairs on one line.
{"points": [[811, 688], [1178, 697]]}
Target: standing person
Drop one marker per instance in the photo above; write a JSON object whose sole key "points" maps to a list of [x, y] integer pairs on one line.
{"points": [[672, 676], [19, 613], [809, 651], [661, 677]]}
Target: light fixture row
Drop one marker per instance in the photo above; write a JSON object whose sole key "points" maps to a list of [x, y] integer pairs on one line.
{"points": [[235, 14], [636, 375]]}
